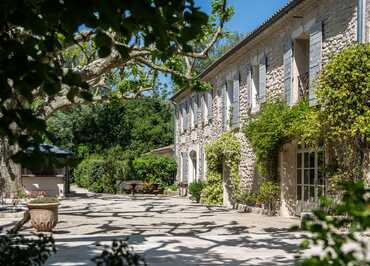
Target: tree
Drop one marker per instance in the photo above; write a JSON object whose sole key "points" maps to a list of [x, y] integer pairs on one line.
{"points": [[53, 55], [34, 35], [137, 125]]}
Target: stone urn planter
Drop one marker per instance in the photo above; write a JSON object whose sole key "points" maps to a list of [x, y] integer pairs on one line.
{"points": [[44, 214]]}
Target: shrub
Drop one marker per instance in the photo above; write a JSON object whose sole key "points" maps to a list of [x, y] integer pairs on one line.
{"points": [[343, 92], [120, 254], [100, 175], [276, 124], [269, 195], [247, 198], [195, 190], [159, 170], [16, 250], [88, 171], [212, 193], [351, 213], [220, 153]]}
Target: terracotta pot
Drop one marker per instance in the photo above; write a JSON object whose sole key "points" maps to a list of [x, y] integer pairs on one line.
{"points": [[44, 216]]}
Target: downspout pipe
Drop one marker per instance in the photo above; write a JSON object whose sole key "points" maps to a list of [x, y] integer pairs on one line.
{"points": [[361, 21]]}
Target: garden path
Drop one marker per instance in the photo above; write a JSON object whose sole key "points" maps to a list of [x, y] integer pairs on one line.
{"points": [[170, 231]]}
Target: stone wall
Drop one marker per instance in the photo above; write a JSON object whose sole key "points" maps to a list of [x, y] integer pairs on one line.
{"points": [[339, 30]]}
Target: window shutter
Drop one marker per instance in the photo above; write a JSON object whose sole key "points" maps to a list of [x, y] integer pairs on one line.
{"points": [[200, 108], [186, 109], [185, 167], [201, 163], [236, 105], [195, 109], [315, 59], [249, 84], [288, 84], [262, 79], [223, 107], [210, 104]]}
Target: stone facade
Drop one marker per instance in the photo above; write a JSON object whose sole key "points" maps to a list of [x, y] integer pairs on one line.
{"points": [[292, 45]]}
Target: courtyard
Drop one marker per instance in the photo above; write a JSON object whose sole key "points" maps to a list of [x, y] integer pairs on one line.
{"points": [[169, 231]]}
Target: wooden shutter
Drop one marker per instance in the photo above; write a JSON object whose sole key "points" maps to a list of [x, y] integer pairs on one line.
{"points": [[185, 169], [262, 79], [315, 59], [236, 102], [186, 109], [200, 108], [195, 109], [201, 163], [288, 84], [223, 105], [210, 104], [249, 84]]}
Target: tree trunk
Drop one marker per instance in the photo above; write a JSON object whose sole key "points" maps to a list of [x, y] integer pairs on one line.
{"points": [[10, 175]]}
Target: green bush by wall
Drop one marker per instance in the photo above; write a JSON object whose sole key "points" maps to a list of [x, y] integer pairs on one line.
{"points": [[223, 152], [159, 170]]}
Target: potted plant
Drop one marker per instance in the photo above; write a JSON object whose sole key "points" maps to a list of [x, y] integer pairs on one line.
{"points": [[44, 213]]}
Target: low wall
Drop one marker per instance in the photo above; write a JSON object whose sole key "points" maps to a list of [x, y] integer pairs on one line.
{"points": [[53, 185]]}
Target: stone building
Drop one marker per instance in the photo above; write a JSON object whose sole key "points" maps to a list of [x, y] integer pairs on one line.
{"points": [[281, 58]]}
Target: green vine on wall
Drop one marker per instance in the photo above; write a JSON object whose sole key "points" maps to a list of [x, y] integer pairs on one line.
{"points": [[222, 153], [275, 125]]}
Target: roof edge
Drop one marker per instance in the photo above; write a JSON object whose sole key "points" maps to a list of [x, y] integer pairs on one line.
{"points": [[268, 22]]}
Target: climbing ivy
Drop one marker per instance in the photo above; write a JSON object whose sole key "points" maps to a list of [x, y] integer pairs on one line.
{"points": [[276, 124], [343, 92], [222, 154]]}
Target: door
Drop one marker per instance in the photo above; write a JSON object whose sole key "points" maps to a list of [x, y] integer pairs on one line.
{"points": [[311, 182]]}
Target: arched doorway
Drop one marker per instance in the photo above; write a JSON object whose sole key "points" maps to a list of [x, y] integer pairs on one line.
{"points": [[193, 166]]}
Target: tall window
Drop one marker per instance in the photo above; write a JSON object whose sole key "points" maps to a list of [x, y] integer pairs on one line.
{"points": [[311, 181]]}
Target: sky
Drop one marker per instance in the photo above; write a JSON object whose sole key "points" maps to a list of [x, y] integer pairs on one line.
{"points": [[249, 14]]}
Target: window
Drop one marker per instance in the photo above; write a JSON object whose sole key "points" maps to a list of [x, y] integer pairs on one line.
{"points": [[311, 183], [43, 171]]}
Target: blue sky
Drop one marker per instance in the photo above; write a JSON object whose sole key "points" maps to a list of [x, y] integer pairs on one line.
{"points": [[249, 14]]}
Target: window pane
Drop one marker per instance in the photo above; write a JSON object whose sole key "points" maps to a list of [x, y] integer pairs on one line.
{"points": [[306, 165], [312, 176], [312, 192], [299, 160], [299, 193], [306, 192], [320, 159], [320, 191], [320, 177], [299, 176], [306, 176], [312, 159]]}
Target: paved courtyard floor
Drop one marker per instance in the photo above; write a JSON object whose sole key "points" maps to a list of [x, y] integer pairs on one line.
{"points": [[170, 231]]}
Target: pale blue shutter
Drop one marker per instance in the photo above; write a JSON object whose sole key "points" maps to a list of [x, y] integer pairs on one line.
{"points": [[201, 163], [262, 79], [195, 109], [315, 59], [288, 84], [185, 170], [200, 108], [249, 84], [224, 107], [210, 104], [236, 102], [186, 110]]}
